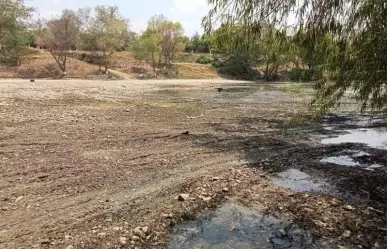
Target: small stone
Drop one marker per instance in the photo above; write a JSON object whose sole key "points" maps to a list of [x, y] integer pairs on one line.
{"points": [[215, 179], [101, 235], [225, 190], [347, 234], [109, 220], [149, 237], [123, 240], [117, 228], [68, 237], [205, 199], [145, 229], [70, 247], [4, 208], [45, 242], [138, 232], [19, 198], [167, 216], [376, 245], [183, 197], [135, 238], [349, 208]]}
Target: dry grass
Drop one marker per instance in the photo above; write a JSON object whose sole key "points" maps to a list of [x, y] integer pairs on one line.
{"points": [[196, 71], [40, 64]]}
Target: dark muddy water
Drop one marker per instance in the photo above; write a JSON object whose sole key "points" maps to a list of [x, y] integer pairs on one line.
{"points": [[234, 226]]}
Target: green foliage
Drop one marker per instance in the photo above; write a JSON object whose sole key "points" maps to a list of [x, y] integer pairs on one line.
{"points": [[103, 31], [161, 41], [298, 74], [14, 34], [204, 60], [342, 43], [197, 44], [294, 90], [237, 66]]}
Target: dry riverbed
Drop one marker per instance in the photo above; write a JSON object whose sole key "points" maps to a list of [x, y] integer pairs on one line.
{"points": [[177, 164]]}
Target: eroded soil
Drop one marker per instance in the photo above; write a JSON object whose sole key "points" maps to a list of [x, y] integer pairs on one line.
{"points": [[84, 163]]}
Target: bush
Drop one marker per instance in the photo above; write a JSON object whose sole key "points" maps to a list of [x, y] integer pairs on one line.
{"points": [[237, 66], [203, 59]]}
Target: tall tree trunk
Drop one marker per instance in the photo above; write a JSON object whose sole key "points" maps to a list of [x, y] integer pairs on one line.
{"points": [[267, 70], [153, 61]]}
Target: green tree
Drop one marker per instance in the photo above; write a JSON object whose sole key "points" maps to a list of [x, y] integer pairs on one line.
{"points": [[104, 31], [161, 41], [357, 28], [14, 35]]}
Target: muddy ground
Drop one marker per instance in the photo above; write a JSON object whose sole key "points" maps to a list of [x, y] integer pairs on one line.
{"points": [[85, 163]]}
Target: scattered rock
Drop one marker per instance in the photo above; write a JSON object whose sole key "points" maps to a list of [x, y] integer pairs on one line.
{"points": [[215, 179], [167, 216], [185, 133], [225, 190], [183, 197], [138, 232], [117, 228], [205, 199], [145, 229], [101, 235], [109, 220], [347, 234], [123, 240], [349, 208], [45, 242], [68, 237], [4, 208], [135, 238], [19, 198], [70, 247]]}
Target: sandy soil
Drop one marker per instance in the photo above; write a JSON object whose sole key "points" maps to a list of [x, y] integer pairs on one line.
{"points": [[83, 163]]}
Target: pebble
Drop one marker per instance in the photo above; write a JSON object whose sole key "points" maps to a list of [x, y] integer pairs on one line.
{"points": [[347, 234], [225, 190], [101, 234], [70, 247], [117, 228], [183, 197], [138, 232], [167, 216], [19, 198], [135, 238], [145, 229], [215, 178], [123, 240], [349, 208], [45, 242]]}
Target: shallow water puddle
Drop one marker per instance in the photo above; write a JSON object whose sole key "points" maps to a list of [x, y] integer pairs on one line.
{"points": [[374, 138], [340, 160], [299, 181], [234, 226]]}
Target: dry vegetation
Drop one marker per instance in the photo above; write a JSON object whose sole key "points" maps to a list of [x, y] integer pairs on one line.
{"points": [[40, 64]]}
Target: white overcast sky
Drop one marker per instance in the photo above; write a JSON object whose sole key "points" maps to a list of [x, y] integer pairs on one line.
{"points": [[188, 12]]}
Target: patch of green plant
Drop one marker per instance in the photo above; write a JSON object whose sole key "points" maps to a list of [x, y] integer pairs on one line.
{"points": [[204, 59], [294, 90], [237, 66]]}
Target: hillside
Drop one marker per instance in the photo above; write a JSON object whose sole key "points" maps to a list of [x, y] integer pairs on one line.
{"points": [[40, 64]]}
